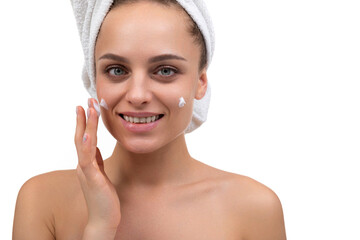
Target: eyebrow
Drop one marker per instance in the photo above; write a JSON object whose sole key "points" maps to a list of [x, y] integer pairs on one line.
{"points": [[151, 60]]}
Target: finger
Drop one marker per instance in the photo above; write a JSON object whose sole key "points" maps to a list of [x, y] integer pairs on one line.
{"points": [[87, 148], [92, 102], [90, 134], [85, 157], [80, 126], [87, 140]]}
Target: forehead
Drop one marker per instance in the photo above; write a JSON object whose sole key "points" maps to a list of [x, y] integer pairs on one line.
{"points": [[146, 24]]}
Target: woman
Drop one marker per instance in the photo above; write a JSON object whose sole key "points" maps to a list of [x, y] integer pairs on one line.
{"points": [[149, 70]]}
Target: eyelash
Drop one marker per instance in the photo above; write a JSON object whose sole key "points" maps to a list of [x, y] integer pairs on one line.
{"points": [[107, 70]]}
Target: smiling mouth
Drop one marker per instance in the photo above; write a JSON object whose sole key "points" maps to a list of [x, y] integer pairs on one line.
{"points": [[141, 120]]}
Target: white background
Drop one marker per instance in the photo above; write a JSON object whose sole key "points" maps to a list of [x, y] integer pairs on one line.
{"points": [[285, 107]]}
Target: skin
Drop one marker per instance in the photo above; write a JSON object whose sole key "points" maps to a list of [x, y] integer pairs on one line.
{"points": [[150, 187], [143, 87]]}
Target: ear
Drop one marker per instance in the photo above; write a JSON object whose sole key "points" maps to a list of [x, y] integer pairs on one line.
{"points": [[201, 85]]}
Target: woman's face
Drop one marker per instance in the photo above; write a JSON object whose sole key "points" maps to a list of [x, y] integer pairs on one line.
{"points": [[132, 77]]}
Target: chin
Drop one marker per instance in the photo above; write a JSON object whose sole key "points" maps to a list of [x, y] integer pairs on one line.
{"points": [[141, 146]]}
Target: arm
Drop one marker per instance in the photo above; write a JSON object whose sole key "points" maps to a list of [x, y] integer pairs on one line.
{"points": [[33, 212], [33, 218], [267, 221], [263, 215]]}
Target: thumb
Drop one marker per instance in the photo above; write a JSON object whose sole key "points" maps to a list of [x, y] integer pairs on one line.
{"points": [[100, 160]]}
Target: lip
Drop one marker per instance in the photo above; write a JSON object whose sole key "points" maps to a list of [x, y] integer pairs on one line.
{"points": [[140, 114], [139, 127]]}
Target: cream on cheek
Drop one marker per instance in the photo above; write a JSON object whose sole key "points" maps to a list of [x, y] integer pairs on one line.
{"points": [[184, 113], [102, 90], [181, 102], [104, 104]]}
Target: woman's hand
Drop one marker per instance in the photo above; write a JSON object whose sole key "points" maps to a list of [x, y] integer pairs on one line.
{"points": [[101, 198]]}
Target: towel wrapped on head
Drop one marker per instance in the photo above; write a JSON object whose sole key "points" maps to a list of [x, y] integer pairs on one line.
{"points": [[89, 16]]}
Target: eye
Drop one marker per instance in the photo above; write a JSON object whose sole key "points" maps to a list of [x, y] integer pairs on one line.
{"points": [[115, 71], [166, 71]]}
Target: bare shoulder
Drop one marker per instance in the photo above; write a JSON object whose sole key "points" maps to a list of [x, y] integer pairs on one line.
{"points": [[252, 191], [256, 207], [53, 186], [36, 202], [53, 177]]}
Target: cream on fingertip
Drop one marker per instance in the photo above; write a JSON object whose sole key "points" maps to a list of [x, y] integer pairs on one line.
{"points": [[97, 108]]}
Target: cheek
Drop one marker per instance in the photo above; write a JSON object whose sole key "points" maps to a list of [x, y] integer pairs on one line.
{"points": [[180, 101], [108, 93], [177, 97]]}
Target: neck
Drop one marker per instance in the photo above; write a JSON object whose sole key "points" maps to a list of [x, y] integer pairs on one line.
{"points": [[169, 165]]}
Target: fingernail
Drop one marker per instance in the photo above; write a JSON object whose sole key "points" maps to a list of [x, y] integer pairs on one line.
{"points": [[77, 111], [97, 108], [88, 112], [89, 102], [85, 137]]}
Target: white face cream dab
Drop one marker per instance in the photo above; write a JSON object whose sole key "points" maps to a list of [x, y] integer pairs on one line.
{"points": [[103, 104], [181, 102]]}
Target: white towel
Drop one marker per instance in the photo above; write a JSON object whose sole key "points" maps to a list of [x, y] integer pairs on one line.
{"points": [[89, 16]]}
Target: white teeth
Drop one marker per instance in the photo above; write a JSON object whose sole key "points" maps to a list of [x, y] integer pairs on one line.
{"points": [[141, 119]]}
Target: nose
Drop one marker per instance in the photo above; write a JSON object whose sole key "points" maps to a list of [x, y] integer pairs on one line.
{"points": [[138, 92]]}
